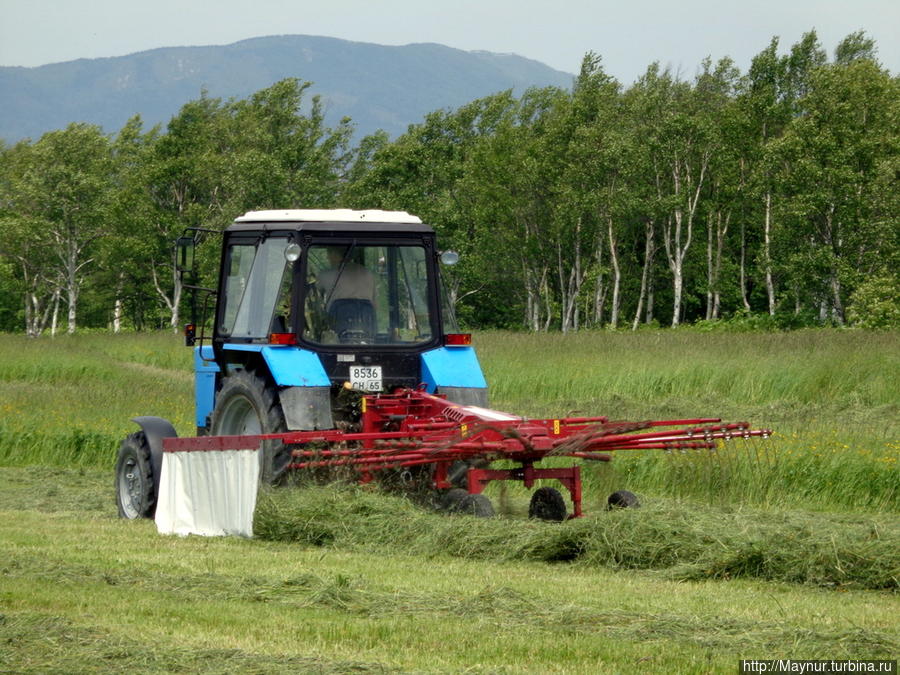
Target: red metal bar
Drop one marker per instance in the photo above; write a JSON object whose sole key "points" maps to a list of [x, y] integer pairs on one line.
{"points": [[570, 477]]}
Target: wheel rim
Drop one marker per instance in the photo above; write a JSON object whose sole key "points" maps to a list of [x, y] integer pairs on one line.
{"points": [[131, 486], [239, 418]]}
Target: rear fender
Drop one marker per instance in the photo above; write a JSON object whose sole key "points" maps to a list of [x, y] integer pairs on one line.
{"points": [[452, 368], [289, 366], [304, 389], [155, 430]]}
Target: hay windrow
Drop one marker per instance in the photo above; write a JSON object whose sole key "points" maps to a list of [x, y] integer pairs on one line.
{"points": [[679, 539]]}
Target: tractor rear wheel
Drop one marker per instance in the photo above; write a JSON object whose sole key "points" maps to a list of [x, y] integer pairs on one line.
{"points": [[247, 406], [547, 503], [134, 478]]}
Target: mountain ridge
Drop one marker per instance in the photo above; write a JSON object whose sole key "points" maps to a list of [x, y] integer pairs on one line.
{"points": [[378, 86]]}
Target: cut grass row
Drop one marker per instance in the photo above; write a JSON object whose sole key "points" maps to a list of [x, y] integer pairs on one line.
{"points": [[682, 541], [85, 592]]}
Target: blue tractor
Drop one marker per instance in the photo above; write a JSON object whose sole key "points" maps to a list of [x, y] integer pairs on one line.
{"points": [[311, 307]]}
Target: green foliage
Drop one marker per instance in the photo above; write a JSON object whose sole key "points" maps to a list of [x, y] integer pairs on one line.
{"points": [[768, 194], [588, 201], [745, 322], [876, 303], [110, 209], [56, 196]]}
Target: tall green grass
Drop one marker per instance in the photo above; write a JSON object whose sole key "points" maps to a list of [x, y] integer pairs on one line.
{"points": [[69, 400], [830, 395], [820, 369], [815, 470]]}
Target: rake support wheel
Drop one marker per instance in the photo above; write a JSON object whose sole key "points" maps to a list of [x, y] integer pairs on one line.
{"points": [[475, 505], [449, 500], [547, 503], [622, 499]]}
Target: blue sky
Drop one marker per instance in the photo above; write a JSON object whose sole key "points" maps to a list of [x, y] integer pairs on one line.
{"points": [[629, 35]]}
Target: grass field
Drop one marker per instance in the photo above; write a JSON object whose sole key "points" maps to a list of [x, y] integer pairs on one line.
{"points": [[783, 549]]}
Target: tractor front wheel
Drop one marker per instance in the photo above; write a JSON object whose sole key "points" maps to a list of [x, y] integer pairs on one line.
{"points": [[247, 406], [134, 478]]}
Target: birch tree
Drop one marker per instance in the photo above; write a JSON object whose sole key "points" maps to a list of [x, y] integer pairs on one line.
{"points": [[64, 193], [681, 142], [832, 155]]}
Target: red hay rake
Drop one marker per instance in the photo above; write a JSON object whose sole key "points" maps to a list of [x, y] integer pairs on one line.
{"points": [[411, 428]]}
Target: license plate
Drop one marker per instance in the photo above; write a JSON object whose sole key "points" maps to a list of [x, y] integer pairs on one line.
{"points": [[366, 378]]}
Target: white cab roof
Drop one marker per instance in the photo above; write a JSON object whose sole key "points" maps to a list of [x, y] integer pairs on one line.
{"points": [[329, 216]]}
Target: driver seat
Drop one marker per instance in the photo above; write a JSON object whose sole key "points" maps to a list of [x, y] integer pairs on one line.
{"points": [[352, 320]]}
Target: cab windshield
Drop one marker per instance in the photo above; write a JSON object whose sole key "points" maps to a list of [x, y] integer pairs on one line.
{"points": [[364, 294]]}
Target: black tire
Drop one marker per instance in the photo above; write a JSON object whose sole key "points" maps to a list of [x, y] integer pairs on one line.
{"points": [[622, 499], [547, 504], [450, 499], [134, 478], [245, 406], [475, 505]]}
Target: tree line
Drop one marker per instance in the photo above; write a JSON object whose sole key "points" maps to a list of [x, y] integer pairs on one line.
{"points": [[768, 196]]}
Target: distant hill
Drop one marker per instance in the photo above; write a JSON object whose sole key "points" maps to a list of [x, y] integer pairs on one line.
{"points": [[379, 87]]}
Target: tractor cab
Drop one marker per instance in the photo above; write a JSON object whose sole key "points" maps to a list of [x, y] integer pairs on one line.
{"points": [[313, 304]]}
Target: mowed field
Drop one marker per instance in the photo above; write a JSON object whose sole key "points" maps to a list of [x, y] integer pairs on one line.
{"points": [[786, 548]]}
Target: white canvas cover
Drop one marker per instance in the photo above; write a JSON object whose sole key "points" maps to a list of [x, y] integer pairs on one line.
{"points": [[211, 493]]}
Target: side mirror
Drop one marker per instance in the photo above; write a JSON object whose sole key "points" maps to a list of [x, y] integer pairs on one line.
{"points": [[184, 257], [449, 257], [292, 252]]}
